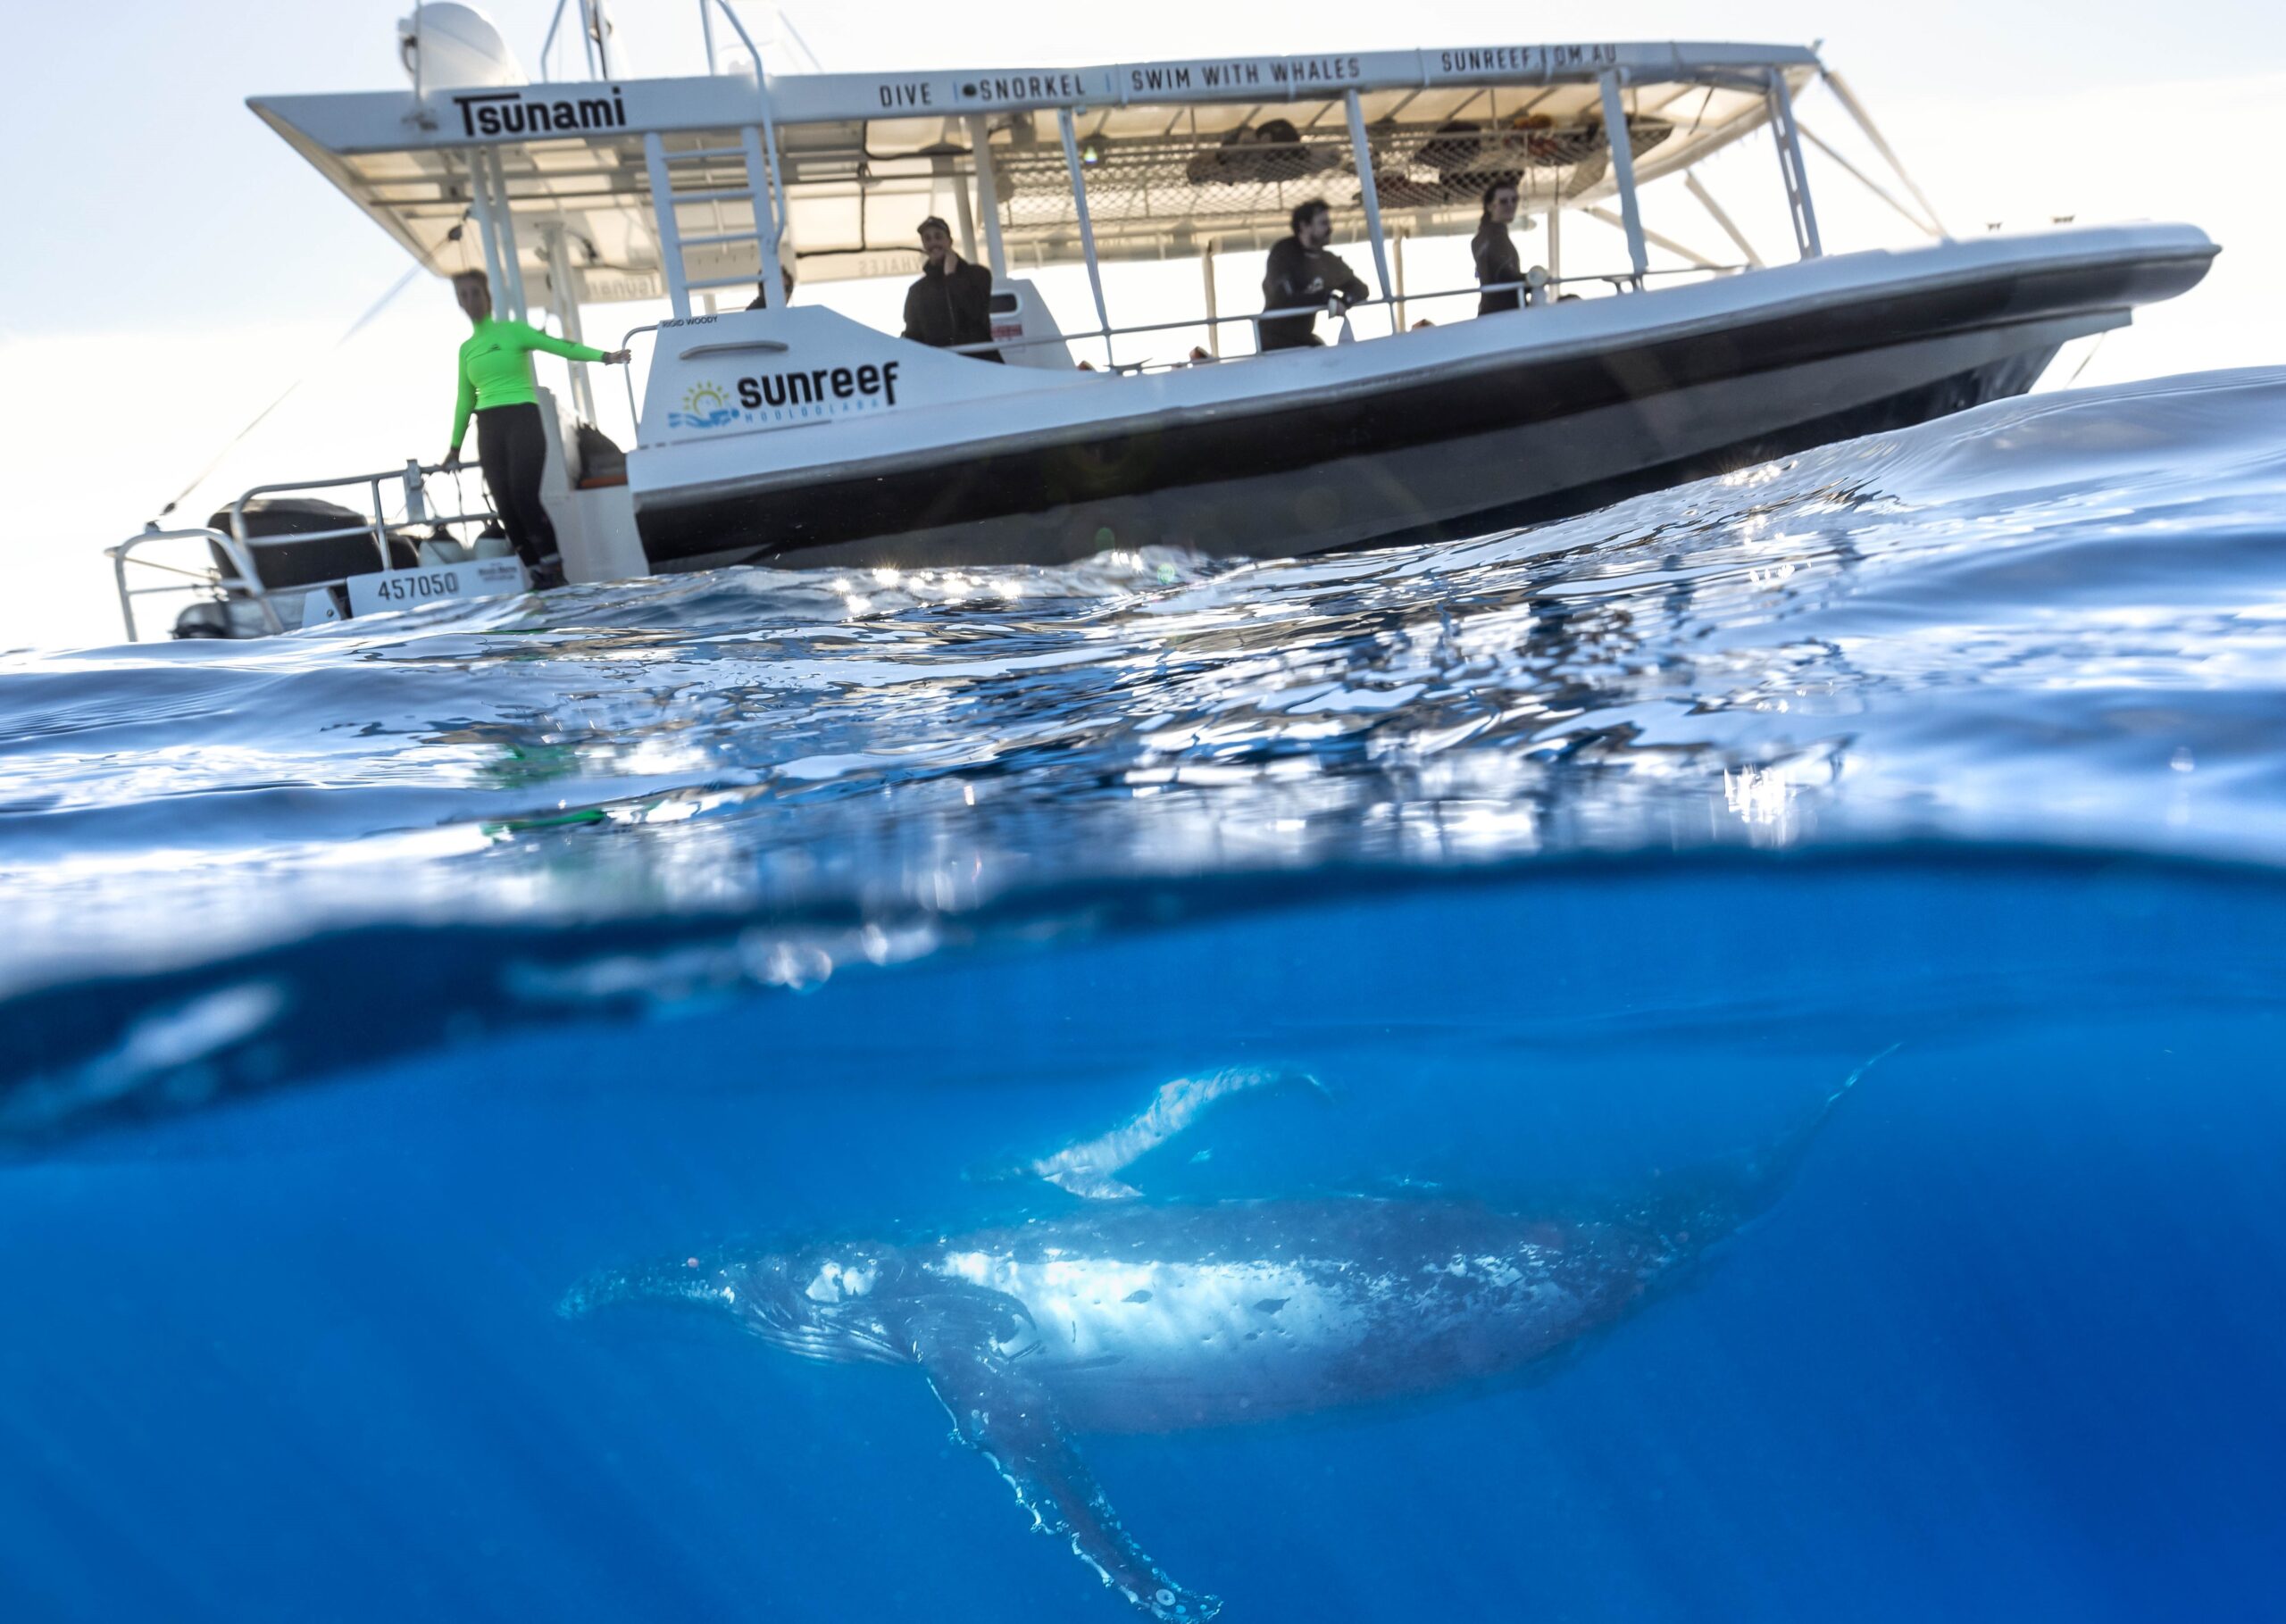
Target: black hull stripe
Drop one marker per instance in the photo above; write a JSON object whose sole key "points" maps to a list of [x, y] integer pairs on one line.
{"points": [[1285, 520]]}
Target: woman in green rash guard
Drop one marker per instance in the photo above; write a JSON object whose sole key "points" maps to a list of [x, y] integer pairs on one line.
{"points": [[511, 440]]}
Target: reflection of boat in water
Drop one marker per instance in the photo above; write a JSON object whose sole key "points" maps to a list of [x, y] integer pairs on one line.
{"points": [[799, 435]]}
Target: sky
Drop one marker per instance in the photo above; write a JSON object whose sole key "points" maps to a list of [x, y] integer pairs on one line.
{"points": [[171, 266]]}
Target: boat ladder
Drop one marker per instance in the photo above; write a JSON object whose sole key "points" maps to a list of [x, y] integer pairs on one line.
{"points": [[718, 178]]}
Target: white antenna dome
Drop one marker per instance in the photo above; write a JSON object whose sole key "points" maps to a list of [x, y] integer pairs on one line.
{"points": [[450, 47]]}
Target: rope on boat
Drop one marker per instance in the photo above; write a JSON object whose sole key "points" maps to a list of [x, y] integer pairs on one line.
{"points": [[372, 313]]}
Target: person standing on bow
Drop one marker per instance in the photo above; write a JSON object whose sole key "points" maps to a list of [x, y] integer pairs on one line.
{"points": [[1495, 255], [952, 302], [495, 384], [1301, 272]]}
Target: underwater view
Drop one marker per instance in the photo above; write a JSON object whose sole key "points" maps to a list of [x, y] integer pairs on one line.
{"points": [[1718, 1059]]}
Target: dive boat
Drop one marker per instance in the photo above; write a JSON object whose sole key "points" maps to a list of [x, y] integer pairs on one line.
{"points": [[795, 436]]}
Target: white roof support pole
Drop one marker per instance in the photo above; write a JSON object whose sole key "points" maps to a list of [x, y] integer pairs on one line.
{"points": [[988, 194], [1623, 173], [964, 212], [765, 218], [480, 202], [1721, 217], [663, 220], [1362, 152], [1214, 326], [1396, 289], [1086, 228], [1556, 244], [563, 295], [503, 221], [1790, 162]]}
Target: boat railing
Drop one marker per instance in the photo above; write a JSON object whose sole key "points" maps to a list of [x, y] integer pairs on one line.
{"points": [[1619, 281], [204, 583], [595, 28], [627, 342], [1535, 290], [242, 550]]}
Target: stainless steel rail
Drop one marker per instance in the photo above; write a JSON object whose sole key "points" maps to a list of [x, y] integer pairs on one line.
{"points": [[207, 582], [242, 549], [1619, 281]]}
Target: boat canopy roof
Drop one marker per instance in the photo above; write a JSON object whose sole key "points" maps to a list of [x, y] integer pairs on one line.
{"points": [[1176, 155]]}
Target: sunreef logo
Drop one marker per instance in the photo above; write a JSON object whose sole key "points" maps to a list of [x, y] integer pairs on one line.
{"points": [[506, 113], [705, 405], [821, 387], [789, 396]]}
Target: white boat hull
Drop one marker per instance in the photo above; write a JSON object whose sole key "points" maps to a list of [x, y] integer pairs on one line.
{"points": [[1502, 420]]}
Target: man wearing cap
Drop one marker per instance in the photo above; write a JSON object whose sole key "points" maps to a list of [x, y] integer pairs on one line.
{"points": [[952, 302]]}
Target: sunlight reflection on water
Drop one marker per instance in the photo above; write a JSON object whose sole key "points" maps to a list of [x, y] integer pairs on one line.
{"points": [[2004, 624]]}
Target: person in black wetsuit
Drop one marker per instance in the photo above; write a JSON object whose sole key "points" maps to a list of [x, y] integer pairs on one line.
{"points": [[952, 302], [1301, 272], [1496, 254]]}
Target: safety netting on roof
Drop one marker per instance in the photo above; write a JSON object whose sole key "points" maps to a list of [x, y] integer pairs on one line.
{"points": [[1172, 180], [1249, 179]]}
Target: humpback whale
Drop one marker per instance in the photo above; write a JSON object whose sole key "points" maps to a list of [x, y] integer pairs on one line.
{"points": [[1129, 1315]]}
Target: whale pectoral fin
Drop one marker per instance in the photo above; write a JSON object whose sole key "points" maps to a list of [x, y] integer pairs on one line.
{"points": [[1002, 1413], [1086, 1167]]}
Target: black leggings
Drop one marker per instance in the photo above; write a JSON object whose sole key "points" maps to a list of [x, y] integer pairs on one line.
{"points": [[511, 444]]}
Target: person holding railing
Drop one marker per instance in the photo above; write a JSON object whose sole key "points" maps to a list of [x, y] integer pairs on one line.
{"points": [[495, 385], [1301, 272], [1495, 255]]}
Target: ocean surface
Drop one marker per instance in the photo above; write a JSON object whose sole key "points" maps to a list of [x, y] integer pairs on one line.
{"points": [[363, 991]]}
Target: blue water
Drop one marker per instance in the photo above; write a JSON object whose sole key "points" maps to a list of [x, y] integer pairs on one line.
{"points": [[365, 989]]}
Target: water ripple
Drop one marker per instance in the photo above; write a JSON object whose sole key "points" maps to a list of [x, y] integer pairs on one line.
{"points": [[2060, 621]]}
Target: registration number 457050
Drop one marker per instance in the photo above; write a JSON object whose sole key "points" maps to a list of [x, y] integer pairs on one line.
{"points": [[393, 590]]}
